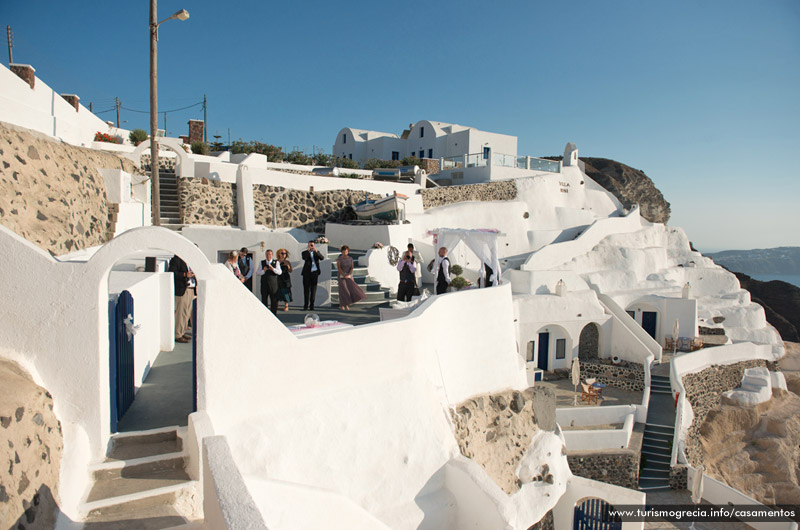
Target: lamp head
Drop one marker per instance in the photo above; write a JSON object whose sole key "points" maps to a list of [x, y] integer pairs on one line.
{"points": [[181, 15]]}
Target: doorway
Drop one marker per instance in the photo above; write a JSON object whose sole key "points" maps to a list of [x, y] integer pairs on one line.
{"points": [[649, 322], [544, 350]]}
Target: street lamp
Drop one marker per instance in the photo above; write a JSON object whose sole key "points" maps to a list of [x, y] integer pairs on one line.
{"points": [[180, 15]]}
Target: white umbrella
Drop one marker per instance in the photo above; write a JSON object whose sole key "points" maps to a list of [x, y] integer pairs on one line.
{"points": [[576, 378], [675, 330], [697, 486]]}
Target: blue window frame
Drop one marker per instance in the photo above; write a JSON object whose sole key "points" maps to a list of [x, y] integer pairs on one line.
{"points": [[430, 153], [421, 153], [395, 155], [344, 138], [422, 132]]}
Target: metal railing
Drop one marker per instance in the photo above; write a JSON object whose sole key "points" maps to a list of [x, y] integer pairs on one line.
{"points": [[502, 160]]}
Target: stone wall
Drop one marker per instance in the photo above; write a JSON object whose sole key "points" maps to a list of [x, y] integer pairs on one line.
{"points": [[490, 191], [430, 165], [207, 202], [309, 210], [704, 390], [30, 452], [678, 477], [627, 375], [51, 192], [619, 468]]}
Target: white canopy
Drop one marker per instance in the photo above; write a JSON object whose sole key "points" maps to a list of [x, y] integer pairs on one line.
{"points": [[482, 242]]}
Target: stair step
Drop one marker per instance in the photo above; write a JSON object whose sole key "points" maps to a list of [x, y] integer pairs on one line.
{"points": [[144, 443], [139, 466], [128, 484], [658, 427], [372, 296], [656, 436], [657, 456], [656, 466], [654, 473], [166, 495]]}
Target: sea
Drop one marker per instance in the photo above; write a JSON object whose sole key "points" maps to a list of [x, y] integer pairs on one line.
{"points": [[794, 279]]}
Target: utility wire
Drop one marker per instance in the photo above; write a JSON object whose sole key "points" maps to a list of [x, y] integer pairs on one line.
{"points": [[161, 111]]}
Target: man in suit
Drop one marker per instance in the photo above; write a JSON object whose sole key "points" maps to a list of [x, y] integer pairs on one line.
{"points": [[442, 272], [311, 269], [184, 294], [246, 267], [269, 271]]}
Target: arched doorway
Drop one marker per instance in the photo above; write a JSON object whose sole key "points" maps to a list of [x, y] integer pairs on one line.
{"points": [[593, 514], [144, 359], [589, 342]]}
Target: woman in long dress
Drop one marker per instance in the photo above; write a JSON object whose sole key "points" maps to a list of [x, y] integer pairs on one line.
{"points": [[285, 279], [349, 291]]}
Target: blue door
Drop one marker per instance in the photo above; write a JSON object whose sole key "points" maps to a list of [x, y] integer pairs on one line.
{"points": [[649, 322], [121, 358], [592, 514], [544, 350]]}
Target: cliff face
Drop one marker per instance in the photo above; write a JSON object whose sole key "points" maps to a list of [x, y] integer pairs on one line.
{"points": [[630, 186], [51, 192], [781, 303]]}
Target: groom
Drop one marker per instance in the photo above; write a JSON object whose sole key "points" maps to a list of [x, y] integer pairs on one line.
{"points": [[311, 269]]}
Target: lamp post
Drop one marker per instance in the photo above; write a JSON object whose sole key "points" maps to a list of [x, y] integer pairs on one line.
{"points": [[180, 15]]}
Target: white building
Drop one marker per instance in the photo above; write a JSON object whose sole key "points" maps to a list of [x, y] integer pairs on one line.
{"points": [[424, 139]]}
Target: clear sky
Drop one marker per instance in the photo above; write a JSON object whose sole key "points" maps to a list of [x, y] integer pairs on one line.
{"points": [[704, 96]]}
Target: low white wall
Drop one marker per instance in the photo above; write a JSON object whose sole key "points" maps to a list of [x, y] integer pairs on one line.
{"points": [[226, 502], [153, 312], [596, 439], [721, 494], [362, 237], [586, 416], [580, 488]]}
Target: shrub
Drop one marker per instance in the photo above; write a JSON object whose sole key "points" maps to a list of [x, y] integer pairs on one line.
{"points": [[199, 148], [345, 163], [299, 157], [374, 163], [138, 136], [272, 152], [456, 269], [411, 161]]}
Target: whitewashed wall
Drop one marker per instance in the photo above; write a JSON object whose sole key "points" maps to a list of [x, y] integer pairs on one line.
{"points": [[363, 237], [44, 110], [582, 488]]}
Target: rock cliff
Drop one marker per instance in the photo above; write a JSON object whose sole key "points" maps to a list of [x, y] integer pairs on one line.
{"points": [[781, 303], [51, 192], [629, 186]]}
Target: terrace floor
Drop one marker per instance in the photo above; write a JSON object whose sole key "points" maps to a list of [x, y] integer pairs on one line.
{"points": [[565, 393]]}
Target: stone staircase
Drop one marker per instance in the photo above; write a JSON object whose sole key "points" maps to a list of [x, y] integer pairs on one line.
{"points": [[170, 206], [658, 435], [375, 293], [142, 483]]}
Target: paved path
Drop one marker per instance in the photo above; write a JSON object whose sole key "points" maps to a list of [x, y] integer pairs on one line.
{"points": [[165, 398]]}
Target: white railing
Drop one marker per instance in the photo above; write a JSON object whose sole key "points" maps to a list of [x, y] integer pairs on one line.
{"points": [[501, 160]]}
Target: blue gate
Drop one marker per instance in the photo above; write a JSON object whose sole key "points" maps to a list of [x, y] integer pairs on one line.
{"points": [[121, 358], [593, 514], [195, 327]]}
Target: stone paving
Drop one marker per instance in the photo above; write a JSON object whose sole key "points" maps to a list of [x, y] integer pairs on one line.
{"points": [[565, 394]]}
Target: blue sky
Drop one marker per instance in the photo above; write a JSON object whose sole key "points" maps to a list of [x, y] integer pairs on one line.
{"points": [[702, 96]]}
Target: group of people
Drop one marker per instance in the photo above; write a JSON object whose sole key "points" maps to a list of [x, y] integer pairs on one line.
{"points": [[276, 272], [410, 273]]}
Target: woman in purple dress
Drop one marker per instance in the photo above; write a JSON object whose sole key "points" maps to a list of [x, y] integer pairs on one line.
{"points": [[349, 291]]}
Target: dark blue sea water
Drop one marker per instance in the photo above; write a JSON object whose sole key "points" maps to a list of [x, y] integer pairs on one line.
{"points": [[794, 279]]}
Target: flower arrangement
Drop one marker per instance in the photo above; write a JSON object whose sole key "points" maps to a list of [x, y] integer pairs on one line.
{"points": [[459, 282], [378, 245], [105, 137], [321, 240]]}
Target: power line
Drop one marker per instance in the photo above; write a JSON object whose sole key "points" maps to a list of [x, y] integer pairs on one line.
{"points": [[172, 110]]}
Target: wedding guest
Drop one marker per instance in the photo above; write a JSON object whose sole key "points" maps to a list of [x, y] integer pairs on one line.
{"points": [[407, 268], [269, 271], [349, 291], [285, 279], [442, 271], [233, 265], [246, 267]]}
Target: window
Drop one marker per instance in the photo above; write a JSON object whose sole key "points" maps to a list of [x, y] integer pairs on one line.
{"points": [[530, 350], [344, 138], [485, 153], [561, 348], [430, 153], [395, 155], [632, 314], [351, 156], [422, 132], [422, 153]]}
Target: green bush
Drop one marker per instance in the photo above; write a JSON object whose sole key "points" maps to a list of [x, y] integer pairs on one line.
{"points": [[138, 136], [345, 163], [375, 163], [299, 157], [273, 153], [199, 148], [459, 282], [411, 161], [456, 269], [321, 159]]}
